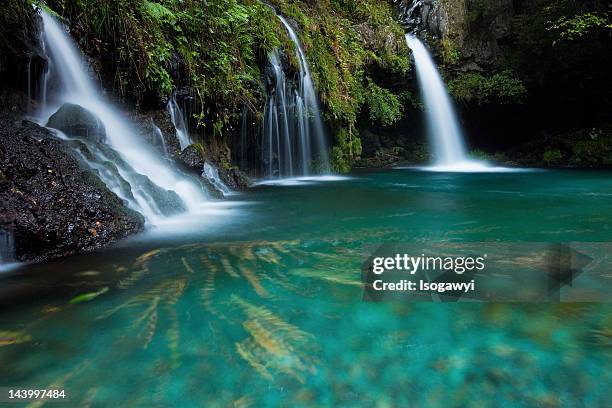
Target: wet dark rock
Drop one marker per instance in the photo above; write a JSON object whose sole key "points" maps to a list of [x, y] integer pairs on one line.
{"points": [[193, 156], [76, 121], [13, 104], [475, 29], [50, 205], [235, 178], [21, 50], [150, 124]]}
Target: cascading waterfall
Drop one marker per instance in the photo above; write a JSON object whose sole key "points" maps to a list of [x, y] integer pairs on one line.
{"points": [[159, 138], [444, 130], [126, 158], [244, 119], [7, 247], [279, 135], [410, 12], [211, 173], [293, 132], [179, 120]]}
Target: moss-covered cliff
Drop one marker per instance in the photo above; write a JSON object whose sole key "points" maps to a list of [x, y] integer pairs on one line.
{"points": [[216, 53], [542, 63]]}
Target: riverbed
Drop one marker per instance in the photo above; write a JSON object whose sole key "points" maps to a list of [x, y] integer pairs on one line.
{"points": [[257, 300]]}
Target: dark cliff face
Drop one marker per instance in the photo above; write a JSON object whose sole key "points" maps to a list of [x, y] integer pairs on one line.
{"points": [[473, 28], [22, 58], [49, 205]]}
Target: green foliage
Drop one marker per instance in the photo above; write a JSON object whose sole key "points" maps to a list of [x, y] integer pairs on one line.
{"points": [[596, 150], [560, 39], [345, 152], [482, 155], [449, 51], [385, 107], [343, 38], [580, 25], [216, 49], [200, 148], [479, 154], [216, 46], [552, 156], [590, 147], [500, 88]]}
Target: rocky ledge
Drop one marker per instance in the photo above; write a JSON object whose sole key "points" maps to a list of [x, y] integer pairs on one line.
{"points": [[50, 206]]}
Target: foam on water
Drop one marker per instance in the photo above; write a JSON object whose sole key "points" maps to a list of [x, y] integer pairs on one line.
{"points": [[301, 181]]}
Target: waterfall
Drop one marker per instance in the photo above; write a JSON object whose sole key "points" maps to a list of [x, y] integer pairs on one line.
{"points": [[159, 138], [211, 173], [179, 120], [276, 124], [293, 131], [413, 13], [134, 170], [244, 118], [7, 247], [444, 130]]}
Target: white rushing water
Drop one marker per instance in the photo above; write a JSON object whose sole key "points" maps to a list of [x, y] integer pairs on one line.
{"points": [[159, 138], [179, 120], [444, 130], [293, 131], [211, 173], [137, 158]]}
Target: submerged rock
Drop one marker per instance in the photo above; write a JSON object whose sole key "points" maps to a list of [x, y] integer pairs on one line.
{"points": [[76, 121], [50, 205]]}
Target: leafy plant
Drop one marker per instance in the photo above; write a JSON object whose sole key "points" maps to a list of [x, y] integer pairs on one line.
{"points": [[385, 107], [500, 88], [552, 156], [579, 25]]}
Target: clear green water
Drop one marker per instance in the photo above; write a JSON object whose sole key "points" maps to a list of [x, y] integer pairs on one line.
{"points": [[259, 303]]}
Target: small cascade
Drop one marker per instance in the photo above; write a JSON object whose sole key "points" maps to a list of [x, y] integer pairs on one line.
{"points": [[293, 133], [276, 124], [123, 161], [159, 138], [7, 247], [179, 120], [244, 129], [31, 95], [249, 151], [37, 72], [211, 173], [444, 130], [411, 13]]}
